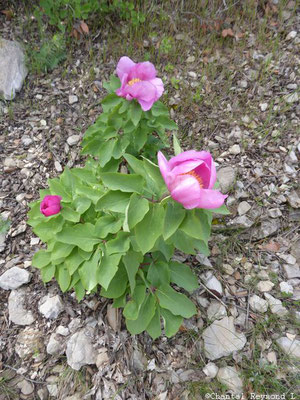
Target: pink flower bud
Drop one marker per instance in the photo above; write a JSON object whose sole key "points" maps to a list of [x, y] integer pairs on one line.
{"points": [[50, 205]]}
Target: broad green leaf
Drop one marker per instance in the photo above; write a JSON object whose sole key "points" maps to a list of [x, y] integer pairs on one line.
{"points": [[202, 247], [107, 269], [91, 193], [106, 225], [48, 273], [73, 261], [113, 84], [175, 302], [135, 112], [69, 214], [35, 216], [166, 122], [110, 101], [221, 210], [132, 261], [196, 225], [120, 302], [88, 272], [118, 245], [135, 211], [85, 174], [47, 229], [133, 306], [172, 322], [81, 204], [146, 314], [86, 255], [182, 275], [74, 279], [159, 108], [116, 201], [63, 278], [150, 228], [123, 182], [41, 259], [117, 285], [58, 189], [136, 165], [140, 136], [60, 250], [154, 327], [120, 147], [175, 214], [158, 274], [182, 242], [176, 145], [80, 291], [105, 152], [81, 235], [153, 172], [166, 249]]}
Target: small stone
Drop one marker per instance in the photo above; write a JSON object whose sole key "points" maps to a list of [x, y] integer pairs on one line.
{"points": [[39, 96], [274, 213], [26, 141], [243, 84], [263, 106], [25, 387], [216, 310], [294, 199], [102, 358], [55, 346], [228, 269], [53, 390], [258, 304], [276, 305], [226, 177], [43, 122], [292, 86], [286, 288], [267, 228], [139, 361], [292, 271], [229, 377], [290, 347], [235, 149], [288, 258], [14, 278], [72, 140], [80, 350], [34, 241], [29, 343], [51, 307], [20, 229], [265, 286], [42, 394], [243, 207], [211, 370], [17, 313], [73, 99], [62, 330], [272, 358], [241, 222], [291, 35], [190, 59], [211, 282], [57, 166], [292, 98], [192, 74]]}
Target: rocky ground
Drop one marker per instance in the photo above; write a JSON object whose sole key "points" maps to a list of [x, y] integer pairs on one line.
{"points": [[233, 90]]}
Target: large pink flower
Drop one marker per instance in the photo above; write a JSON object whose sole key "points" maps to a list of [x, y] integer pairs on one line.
{"points": [[50, 205], [190, 177], [138, 81]]}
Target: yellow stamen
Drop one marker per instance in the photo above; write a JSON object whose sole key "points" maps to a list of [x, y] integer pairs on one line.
{"points": [[193, 173], [133, 81]]}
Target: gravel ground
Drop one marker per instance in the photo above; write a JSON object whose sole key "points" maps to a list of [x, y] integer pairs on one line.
{"points": [[235, 96]]}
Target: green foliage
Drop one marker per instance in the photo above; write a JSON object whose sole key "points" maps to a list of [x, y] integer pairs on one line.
{"points": [[123, 127]]}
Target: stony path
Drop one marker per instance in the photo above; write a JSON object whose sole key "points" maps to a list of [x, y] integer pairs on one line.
{"points": [[237, 98]]}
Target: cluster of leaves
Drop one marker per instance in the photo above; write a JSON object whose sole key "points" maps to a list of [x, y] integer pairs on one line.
{"points": [[123, 127], [118, 232]]}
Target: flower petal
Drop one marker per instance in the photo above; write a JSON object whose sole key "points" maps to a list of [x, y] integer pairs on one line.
{"points": [[146, 105], [203, 172], [188, 155], [210, 199], [163, 165], [144, 71], [120, 91], [186, 166], [124, 66], [158, 83], [143, 90], [186, 190]]}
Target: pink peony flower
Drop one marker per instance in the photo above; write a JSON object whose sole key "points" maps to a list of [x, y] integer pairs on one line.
{"points": [[190, 177], [50, 205], [138, 81]]}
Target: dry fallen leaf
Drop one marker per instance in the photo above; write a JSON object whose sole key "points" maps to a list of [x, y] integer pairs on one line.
{"points": [[8, 14], [271, 246], [84, 28], [227, 32]]}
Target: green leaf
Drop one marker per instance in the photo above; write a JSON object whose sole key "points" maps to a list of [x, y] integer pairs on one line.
{"points": [[73, 261], [81, 204], [88, 272], [63, 278], [172, 322], [107, 269], [135, 112], [175, 302], [79, 290], [166, 122], [221, 210], [81, 235], [135, 211], [118, 245], [158, 274], [105, 152], [159, 108], [123, 182], [120, 302], [85, 174], [175, 214], [150, 228], [106, 225], [176, 145], [135, 164], [183, 242], [153, 173], [69, 214], [182, 275], [60, 250], [116, 201], [132, 261], [110, 101], [113, 84], [154, 327], [133, 306], [117, 285], [58, 189], [146, 314], [196, 225], [92, 193], [48, 273], [41, 259], [47, 229], [166, 249]]}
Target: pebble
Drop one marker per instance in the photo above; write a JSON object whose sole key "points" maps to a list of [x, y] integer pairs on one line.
{"points": [[291, 35], [26, 141], [265, 286], [72, 140], [258, 304], [190, 59], [289, 346], [58, 166], [192, 74], [211, 282], [272, 358], [216, 310], [229, 377], [29, 342], [17, 313], [274, 213], [73, 99], [226, 177], [55, 346], [34, 241], [43, 122], [294, 199], [80, 350], [53, 390], [285, 287], [102, 358], [62, 330], [228, 269], [292, 271], [243, 84], [241, 222], [263, 106], [235, 149], [51, 307], [211, 370], [26, 387], [243, 207], [276, 305], [292, 98], [14, 278]]}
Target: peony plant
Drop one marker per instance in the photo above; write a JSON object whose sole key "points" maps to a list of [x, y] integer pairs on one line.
{"points": [[115, 233]]}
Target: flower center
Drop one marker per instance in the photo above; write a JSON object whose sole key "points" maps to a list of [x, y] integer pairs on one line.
{"points": [[133, 81], [193, 173]]}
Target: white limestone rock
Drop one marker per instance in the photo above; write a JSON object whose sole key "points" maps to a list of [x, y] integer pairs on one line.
{"points": [[13, 278], [51, 307], [230, 377]]}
